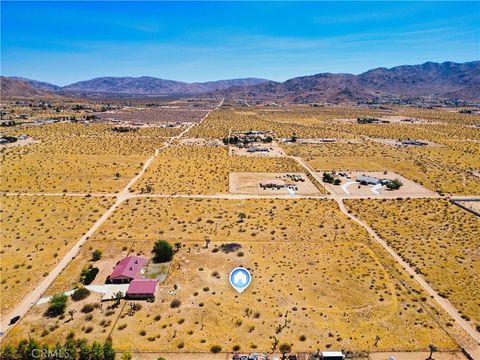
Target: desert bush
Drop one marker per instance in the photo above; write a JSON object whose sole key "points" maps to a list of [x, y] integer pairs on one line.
{"points": [[175, 303], [163, 251], [87, 308], [215, 349], [96, 255], [57, 306], [80, 294]]}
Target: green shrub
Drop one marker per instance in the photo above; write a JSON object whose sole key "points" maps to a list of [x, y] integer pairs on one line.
{"points": [[96, 255], [163, 251], [87, 308], [80, 294], [88, 275], [58, 303], [216, 349]]}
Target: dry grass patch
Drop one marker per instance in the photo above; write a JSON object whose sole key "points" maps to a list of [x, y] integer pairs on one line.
{"points": [[77, 158], [440, 240], [336, 294], [204, 170], [180, 219], [36, 234], [434, 168]]}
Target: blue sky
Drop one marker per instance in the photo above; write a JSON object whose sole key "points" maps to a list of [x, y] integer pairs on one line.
{"points": [[63, 42]]}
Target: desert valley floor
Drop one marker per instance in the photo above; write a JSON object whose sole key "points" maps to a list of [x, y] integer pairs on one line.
{"points": [[304, 197]]}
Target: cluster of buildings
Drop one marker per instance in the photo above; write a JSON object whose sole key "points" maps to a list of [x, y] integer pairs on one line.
{"points": [[130, 271], [281, 184]]}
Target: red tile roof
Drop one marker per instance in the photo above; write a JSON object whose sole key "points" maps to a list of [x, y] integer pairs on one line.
{"points": [[129, 267], [142, 286]]}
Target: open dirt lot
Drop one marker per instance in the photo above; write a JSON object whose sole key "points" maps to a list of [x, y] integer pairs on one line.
{"points": [[249, 183], [200, 142], [77, 158], [350, 188], [273, 150]]}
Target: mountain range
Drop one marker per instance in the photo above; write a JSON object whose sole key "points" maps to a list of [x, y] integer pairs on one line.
{"points": [[442, 80], [445, 80]]}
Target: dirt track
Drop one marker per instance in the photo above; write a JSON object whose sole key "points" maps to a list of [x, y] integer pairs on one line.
{"points": [[22, 308]]}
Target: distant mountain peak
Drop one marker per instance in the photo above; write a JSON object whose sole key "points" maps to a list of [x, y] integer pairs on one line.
{"points": [[447, 79]]}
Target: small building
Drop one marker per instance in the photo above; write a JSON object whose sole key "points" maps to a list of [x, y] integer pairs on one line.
{"points": [[369, 180], [254, 132], [127, 269], [332, 355], [414, 142], [142, 289], [273, 184], [257, 149]]}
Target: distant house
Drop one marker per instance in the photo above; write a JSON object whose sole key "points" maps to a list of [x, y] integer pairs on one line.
{"points": [[369, 180], [414, 143], [142, 289], [127, 269], [257, 149], [254, 132]]}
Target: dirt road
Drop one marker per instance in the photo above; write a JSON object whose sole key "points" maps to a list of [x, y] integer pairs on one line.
{"points": [[32, 298], [442, 302]]}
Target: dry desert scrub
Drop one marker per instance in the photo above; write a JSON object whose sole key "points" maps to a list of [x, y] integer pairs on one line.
{"points": [[204, 169], [77, 158], [441, 169], [36, 234], [440, 240], [181, 219], [336, 294]]}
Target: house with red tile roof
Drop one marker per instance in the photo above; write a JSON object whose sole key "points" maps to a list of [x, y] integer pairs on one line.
{"points": [[127, 269], [142, 289]]}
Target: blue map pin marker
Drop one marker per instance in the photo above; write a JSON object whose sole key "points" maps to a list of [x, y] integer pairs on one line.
{"points": [[240, 278]]}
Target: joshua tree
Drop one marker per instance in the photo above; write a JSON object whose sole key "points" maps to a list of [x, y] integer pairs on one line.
{"points": [[284, 349], [178, 246], [433, 349], [275, 344]]}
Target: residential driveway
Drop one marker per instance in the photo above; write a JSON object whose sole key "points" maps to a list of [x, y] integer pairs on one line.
{"points": [[108, 291]]}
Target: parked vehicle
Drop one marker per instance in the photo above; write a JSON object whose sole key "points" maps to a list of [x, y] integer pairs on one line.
{"points": [[14, 319]]}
